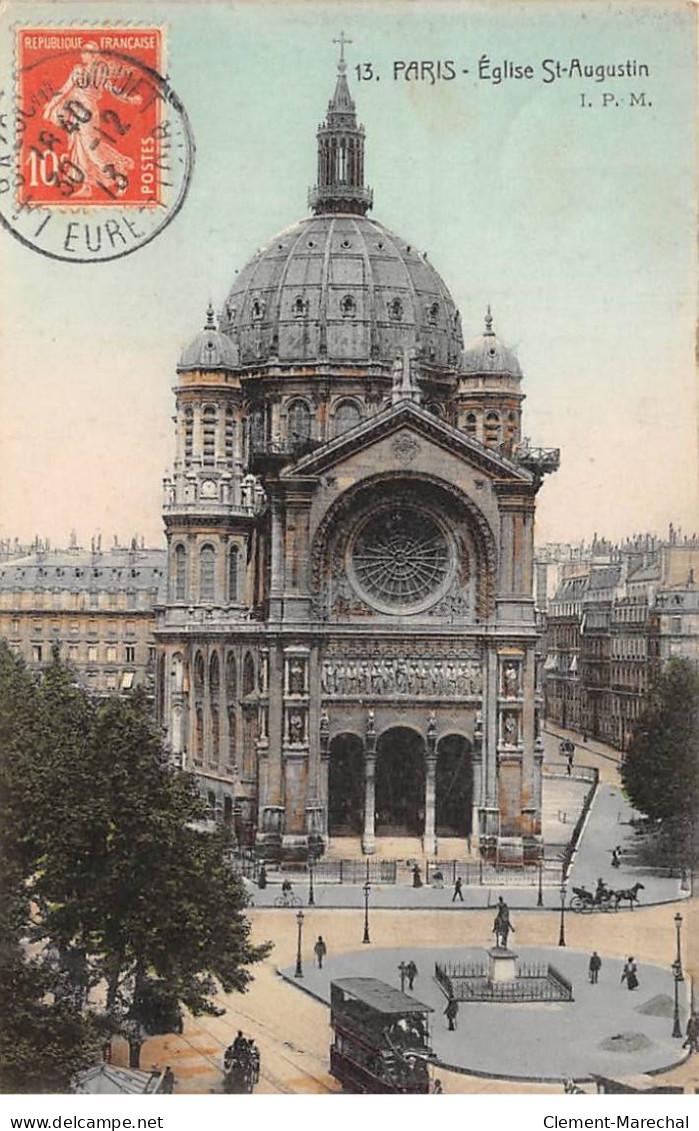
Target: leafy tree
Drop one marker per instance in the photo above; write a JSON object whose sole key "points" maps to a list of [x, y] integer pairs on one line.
{"points": [[127, 886], [660, 772]]}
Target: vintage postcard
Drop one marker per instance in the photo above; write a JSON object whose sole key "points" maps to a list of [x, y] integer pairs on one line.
{"points": [[349, 548]]}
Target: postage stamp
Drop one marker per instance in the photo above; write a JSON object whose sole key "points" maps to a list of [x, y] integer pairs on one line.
{"points": [[102, 151]]}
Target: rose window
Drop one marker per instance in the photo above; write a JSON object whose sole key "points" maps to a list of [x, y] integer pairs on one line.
{"points": [[401, 557]]}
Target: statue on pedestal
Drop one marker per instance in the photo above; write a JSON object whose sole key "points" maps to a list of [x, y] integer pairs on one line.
{"points": [[502, 925]]}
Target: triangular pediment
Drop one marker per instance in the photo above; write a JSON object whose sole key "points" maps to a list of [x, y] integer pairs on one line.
{"points": [[406, 417]]}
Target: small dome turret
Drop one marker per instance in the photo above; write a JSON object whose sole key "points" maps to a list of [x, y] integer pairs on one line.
{"points": [[486, 354], [211, 349]]}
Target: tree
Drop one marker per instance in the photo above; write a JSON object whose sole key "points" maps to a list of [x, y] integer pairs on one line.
{"points": [[660, 772], [127, 886]]}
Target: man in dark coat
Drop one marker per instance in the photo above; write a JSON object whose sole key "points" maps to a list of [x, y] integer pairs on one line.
{"points": [[320, 950], [411, 972], [594, 967], [451, 1013], [458, 882]]}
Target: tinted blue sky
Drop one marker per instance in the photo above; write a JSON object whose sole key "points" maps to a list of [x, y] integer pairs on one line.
{"points": [[576, 224]]}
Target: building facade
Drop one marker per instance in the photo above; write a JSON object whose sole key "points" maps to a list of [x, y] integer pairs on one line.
{"points": [[617, 615], [348, 640], [96, 607]]}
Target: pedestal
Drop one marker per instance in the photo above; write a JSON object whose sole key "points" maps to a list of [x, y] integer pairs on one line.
{"points": [[503, 964]]}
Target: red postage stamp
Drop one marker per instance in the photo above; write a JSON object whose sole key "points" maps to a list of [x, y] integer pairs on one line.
{"points": [[89, 108]]}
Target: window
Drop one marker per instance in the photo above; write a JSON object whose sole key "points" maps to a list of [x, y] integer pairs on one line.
{"points": [[130, 628], [229, 436], [471, 424], [215, 734], [209, 421], [130, 653], [248, 675], [300, 307], [188, 434], [127, 681], [198, 734], [436, 409], [15, 625], [233, 575], [180, 573], [433, 313], [214, 676], [395, 310], [37, 626], [299, 422], [111, 654], [198, 674], [231, 735], [74, 628], [36, 653], [347, 415], [92, 653], [111, 681], [207, 574], [73, 653], [348, 306], [492, 429], [231, 679]]}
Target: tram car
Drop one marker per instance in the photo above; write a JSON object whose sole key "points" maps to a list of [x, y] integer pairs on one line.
{"points": [[380, 1038]]}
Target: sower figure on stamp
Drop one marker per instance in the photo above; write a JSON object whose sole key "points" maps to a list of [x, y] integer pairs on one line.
{"points": [[502, 925]]}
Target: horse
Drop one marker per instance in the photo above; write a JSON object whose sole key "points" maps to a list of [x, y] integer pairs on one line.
{"points": [[627, 893]]}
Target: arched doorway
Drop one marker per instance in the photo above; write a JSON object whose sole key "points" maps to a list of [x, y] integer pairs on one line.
{"points": [[400, 783], [346, 786], [454, 786]]}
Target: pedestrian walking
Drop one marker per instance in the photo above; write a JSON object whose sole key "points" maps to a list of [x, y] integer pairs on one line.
{"points": [[411, 972], [320, 950], [458, 894], [692, 1041], [569, 767], [417, 876], [594, 967], [403, 971], [630, 974], [262, 878], [616, 862], [168, 1081], [451, 1013]]}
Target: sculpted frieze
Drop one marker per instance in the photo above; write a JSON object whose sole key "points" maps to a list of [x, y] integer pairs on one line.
{"points": [[381, 677]]}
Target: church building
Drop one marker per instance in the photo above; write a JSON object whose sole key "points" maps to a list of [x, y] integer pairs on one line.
{"points": [[348, 646]]}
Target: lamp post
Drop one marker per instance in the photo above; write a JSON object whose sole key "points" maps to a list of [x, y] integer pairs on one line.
{"points": [[311, 897], [298, 972], [679, 977], [562, 931], [678, 928], [540, 893], [367, 889]]}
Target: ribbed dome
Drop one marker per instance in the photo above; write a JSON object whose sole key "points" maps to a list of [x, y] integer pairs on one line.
{"points": [[486, 354], [211, 349], [341, 288]]}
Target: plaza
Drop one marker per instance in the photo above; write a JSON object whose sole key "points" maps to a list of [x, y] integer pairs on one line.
{"points": [[291, 1027]]}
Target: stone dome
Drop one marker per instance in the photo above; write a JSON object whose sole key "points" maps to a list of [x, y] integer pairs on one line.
{"points": [[341, 288], [486, 354], [211, 349]]}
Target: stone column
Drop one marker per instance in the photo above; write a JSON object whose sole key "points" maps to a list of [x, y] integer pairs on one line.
{"points": [[429, 842], [369, 837]]}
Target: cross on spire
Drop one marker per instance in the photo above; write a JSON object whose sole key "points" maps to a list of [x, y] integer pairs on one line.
{"points": [[342, 41]]}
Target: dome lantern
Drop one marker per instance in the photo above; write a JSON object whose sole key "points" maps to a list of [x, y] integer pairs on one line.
{"points": [[340, 186]]}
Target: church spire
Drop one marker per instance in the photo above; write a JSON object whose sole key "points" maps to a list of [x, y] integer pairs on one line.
{"points": [[340, 186]]}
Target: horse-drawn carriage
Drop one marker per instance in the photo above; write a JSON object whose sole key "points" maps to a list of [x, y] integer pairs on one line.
{"points": [[241, 1066], [380, 1038], [603, 899]]}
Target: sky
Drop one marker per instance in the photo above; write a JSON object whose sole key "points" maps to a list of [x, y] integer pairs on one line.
{"points": [[576, 223]]}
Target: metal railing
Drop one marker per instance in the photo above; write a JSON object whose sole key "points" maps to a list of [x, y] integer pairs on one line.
{"points": [[535, 981]]}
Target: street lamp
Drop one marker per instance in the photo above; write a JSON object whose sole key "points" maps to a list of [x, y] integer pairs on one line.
{"points": [[678, 928], [540, 894], [298, 973], [562, 931], [367, 889], [679, 977], [311, 897]]}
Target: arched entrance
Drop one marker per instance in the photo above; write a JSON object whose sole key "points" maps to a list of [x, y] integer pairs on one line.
{"points": [[400, 783], [346, 786], [454, 786]]}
